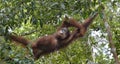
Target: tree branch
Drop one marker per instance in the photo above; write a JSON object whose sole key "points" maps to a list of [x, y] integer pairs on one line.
{"points": [[28, 33], [112, 46]]}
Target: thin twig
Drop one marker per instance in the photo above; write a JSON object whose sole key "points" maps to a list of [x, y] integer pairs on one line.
{"points": [[28, 33], [112, 46]]}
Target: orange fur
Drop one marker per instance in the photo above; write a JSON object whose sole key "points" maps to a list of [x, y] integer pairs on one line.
{"points": [[59, 39]]}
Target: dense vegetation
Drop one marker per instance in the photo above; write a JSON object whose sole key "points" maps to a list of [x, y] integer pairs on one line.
{"points": [[36, 18]]}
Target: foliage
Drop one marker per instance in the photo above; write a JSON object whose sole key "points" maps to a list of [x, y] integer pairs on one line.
{"points": [[41, 17]]}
